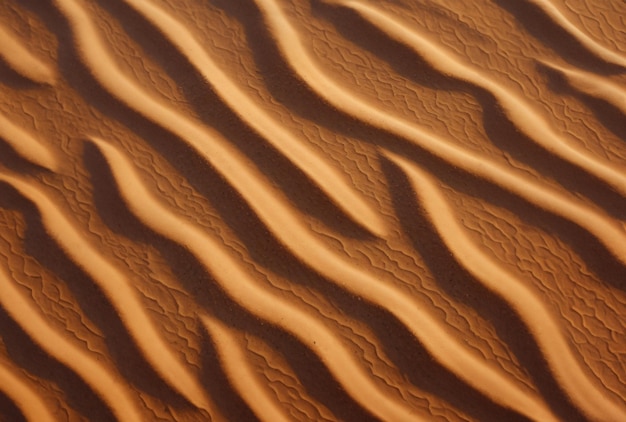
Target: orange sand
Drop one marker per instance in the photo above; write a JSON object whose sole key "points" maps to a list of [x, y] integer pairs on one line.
{"points": [[313, 210]]}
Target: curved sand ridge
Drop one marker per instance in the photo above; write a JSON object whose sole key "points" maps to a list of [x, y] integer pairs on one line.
{"points": [[20, 59], [593, 85], [596, 48], [240, 373], [25, 144], [472, 301], [526, 303], [29, 402]]}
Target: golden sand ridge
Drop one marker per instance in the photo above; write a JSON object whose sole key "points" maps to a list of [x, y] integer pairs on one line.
{"points": [[304, 210]]}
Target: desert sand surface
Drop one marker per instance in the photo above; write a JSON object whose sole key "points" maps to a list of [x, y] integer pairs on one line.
{"points": [[298, 210]]}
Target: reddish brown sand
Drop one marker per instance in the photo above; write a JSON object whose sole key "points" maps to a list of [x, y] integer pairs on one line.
{"points": [[306, 210]]}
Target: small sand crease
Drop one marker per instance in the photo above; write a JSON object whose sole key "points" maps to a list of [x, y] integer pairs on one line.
{"points": [[539, 320], [521, 113], [422, 229], [21, 60], [118, 289]]}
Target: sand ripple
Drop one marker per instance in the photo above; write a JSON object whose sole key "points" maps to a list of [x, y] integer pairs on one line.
{"points": [[312, 210]]}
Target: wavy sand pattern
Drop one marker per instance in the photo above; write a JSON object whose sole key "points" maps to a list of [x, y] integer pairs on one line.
{"points": [[312, 210]]}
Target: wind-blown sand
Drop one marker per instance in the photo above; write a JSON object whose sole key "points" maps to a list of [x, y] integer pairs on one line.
{"points": [[313, 210]]}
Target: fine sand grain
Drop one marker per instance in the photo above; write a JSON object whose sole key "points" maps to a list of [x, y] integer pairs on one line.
{"points": [[313, 210]]}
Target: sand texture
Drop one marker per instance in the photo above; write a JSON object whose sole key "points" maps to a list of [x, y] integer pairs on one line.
{"points": [[303, 210]]}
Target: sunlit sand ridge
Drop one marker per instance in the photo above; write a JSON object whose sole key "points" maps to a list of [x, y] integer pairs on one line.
{"points": [[593, 85], [597, 48], [312, 210], [29, 402], [25, 144], [18, 57]]}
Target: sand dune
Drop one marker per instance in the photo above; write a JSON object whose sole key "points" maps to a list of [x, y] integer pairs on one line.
{"points": [[311, 210]]}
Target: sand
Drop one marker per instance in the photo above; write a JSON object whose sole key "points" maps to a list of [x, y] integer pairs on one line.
{"points": [[313, 210]]}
